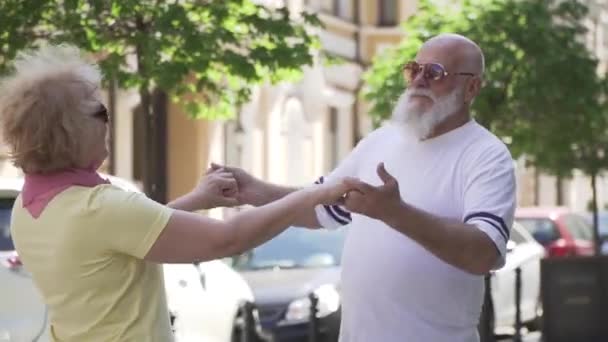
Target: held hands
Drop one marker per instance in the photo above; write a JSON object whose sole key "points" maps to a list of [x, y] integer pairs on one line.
{"points": [[217, 188], [250, 189], [373, 201]]}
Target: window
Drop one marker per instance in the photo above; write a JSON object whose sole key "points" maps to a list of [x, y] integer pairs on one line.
{"points": [[296, 248], [139, 143], [328, 6], [543, 230], [6, 242], [387, 12], [334, 141], [578, 227]]}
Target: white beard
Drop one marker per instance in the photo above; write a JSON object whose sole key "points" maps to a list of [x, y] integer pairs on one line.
{"points": [[421, 123]]}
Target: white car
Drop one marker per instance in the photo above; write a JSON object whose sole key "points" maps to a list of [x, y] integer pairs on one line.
{"points": [[203, 299], [525, 253], [23, 315]]}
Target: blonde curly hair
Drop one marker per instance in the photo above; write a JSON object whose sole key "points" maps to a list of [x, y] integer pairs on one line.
{"points": [[46, 106]]}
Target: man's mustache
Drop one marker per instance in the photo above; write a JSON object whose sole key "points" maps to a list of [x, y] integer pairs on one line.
{"points": [[420, 92]]}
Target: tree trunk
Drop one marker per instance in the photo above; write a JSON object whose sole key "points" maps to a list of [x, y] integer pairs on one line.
{"points": [[148, 150], [559, 190], [154, 116], [596, 232], [155, 167], [112, 126], [536, 186]]}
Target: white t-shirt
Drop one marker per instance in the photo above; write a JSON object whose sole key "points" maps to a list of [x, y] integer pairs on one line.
{"points": [[392, 288]]}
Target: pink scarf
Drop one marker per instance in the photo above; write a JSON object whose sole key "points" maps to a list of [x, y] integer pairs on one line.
{"points": [[40, 189]]}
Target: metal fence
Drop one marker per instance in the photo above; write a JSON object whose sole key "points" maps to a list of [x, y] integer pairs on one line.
{"points": [[250, 331], [486, 319]]}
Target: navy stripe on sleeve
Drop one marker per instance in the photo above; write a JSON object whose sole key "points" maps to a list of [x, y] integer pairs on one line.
{"points": [[333, 215], [492, 219], [339, 215]]}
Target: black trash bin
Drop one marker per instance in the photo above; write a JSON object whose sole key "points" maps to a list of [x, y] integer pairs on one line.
{"points": [[574, 297]]}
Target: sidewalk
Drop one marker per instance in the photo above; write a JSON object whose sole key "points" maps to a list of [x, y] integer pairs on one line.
{"points": [[531, 337]]}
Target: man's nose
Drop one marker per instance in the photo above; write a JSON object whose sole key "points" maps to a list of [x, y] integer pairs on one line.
{"points": [[420, 81]]}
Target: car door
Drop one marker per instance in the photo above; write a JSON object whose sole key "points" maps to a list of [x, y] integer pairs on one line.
{"points": [[23, 314], [226, 290], [189, 303], [531, 255], [581, 232], [524, 254]]}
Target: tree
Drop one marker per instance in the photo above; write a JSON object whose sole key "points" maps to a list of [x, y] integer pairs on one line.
{"points": [[542, 94], [214, 49]]}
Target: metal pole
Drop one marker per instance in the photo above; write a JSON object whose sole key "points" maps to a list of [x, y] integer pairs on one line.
{"points": [[248, 324], [486, 331], [313, 333], [517, 337]]}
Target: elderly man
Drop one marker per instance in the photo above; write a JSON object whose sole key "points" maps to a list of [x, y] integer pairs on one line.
{"points": [[432, 209]]}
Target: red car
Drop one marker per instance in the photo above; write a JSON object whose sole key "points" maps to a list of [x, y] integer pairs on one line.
{"points": [[560, 230]]}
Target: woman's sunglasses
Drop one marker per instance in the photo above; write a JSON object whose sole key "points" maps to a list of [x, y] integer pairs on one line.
{"points": [[102, 114], [430, 71]]}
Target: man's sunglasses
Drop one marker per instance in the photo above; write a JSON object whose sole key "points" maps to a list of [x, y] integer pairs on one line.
{"points": [[430, 71], [102, 114]]}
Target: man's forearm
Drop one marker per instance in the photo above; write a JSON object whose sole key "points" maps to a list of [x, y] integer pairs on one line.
{"points": [[459, 244]]}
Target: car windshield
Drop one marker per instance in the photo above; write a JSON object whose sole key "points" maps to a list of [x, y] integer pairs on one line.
{"points": [[543, 230], [296, 248], [602, 223], [6, 243]]}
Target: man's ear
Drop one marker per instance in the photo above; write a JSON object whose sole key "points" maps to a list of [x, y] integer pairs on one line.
{"points": [[472, 89]]}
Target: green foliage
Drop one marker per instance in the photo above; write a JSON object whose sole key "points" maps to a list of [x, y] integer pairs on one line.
{"points": [[215, 48], [542, 93]]}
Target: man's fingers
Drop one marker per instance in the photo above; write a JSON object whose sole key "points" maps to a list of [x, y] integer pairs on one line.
{"points": [[224, 168], [355, 184], [230, 192], [224, 174], [353, 200], [228, 202], [226, 183], [386, 177]]}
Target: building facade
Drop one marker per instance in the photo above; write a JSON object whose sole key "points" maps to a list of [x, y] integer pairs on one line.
{"points": [[292, 133]]}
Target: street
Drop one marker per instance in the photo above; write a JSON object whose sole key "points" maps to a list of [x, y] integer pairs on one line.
{"points": [[531, 337]]}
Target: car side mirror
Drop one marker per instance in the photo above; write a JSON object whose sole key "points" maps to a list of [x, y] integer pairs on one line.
{"points": [[511, 246]]}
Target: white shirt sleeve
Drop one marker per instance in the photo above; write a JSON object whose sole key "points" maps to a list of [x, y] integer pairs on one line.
{"points": [[490, 197], [336, 216]]}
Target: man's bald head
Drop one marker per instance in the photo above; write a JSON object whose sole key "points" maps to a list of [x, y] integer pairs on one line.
{"points": [[435, 104], [463, 52]]}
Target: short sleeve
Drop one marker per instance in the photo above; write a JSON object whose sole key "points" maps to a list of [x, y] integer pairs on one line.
{"points": [[490, 196], [133, 221], [336, 216]]}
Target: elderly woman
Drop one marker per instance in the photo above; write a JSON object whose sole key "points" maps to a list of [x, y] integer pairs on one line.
{"points": [[94, 250]]}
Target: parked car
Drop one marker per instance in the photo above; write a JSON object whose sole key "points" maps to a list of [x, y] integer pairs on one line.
{"points": [[203, 299], [602, 229], [525, 253], [561, 231], [283, 271], [23, 315]]}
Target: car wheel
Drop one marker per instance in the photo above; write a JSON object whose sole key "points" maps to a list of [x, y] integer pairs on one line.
{"points": [[237, 329], [537, 322]]}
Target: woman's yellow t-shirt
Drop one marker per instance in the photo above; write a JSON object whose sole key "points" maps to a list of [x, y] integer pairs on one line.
{"points": [[85, 253]]}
